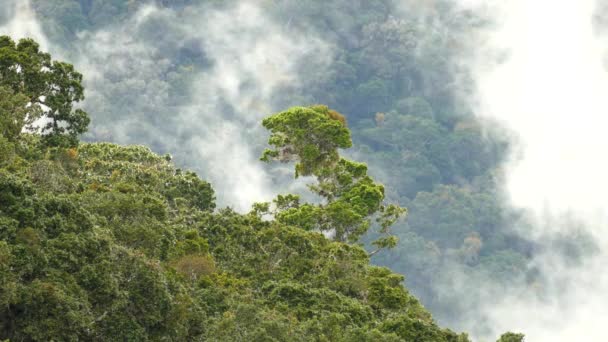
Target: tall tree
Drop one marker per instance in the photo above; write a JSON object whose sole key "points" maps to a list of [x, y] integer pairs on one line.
{"points": [[49, 86], [311, 136]]}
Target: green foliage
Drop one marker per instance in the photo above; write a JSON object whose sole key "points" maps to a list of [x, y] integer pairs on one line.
{"points": [[104, 242], [7, 151], [191, 189], [511, 337], [311, 137], [49, 88], [292, 137], [14, 114]]}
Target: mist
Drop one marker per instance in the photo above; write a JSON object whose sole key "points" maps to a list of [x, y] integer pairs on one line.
{"points": [[540, 72], [237, 74], [215, 126], [21, 22]]}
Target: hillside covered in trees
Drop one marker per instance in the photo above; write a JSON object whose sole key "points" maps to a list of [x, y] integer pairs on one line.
{"points": [[105, 242]]}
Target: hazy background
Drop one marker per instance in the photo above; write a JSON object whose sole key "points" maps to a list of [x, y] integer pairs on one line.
{"points": [[550, 89], [206, 113], [484, 118]]}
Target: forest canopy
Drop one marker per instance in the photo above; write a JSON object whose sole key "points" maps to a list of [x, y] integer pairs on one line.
{"points": [[48, 88]]}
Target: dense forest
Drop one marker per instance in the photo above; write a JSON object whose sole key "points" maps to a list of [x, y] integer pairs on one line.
{"points": [[113, 240]]}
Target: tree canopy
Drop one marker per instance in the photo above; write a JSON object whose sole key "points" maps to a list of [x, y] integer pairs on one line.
{"points": [[511, 337], [108, 242], [311, 136], [46, 91]]}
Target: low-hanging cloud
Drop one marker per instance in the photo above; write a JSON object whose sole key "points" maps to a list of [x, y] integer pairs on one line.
{"points": [[20, 22], [540, 71], [205, 111]]}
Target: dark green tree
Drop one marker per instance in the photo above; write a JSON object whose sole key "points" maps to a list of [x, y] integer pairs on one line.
{"points": [[51, 87], [511, 337], [15, 114]]}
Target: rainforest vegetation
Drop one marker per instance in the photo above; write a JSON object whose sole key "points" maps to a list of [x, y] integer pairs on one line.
{"points": [[105, 242], [101, 241]]}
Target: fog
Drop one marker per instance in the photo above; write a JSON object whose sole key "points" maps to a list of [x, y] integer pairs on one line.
{"points": [[21, 22], [211, 123], [540, 71]]}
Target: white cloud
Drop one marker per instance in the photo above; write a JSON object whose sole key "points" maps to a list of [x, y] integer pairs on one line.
{"points": [[212, 123], [550, 90], [23, 22]]}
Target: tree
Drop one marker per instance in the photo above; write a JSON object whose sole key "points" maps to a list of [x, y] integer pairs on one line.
{"points": [[306, 134], [311, 136], [51, 87], [15, 114], [511, 337]]}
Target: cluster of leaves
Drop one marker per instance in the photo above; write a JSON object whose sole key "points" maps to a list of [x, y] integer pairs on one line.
{"points": [[312, 136], [511, 337], [42, 91]]}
